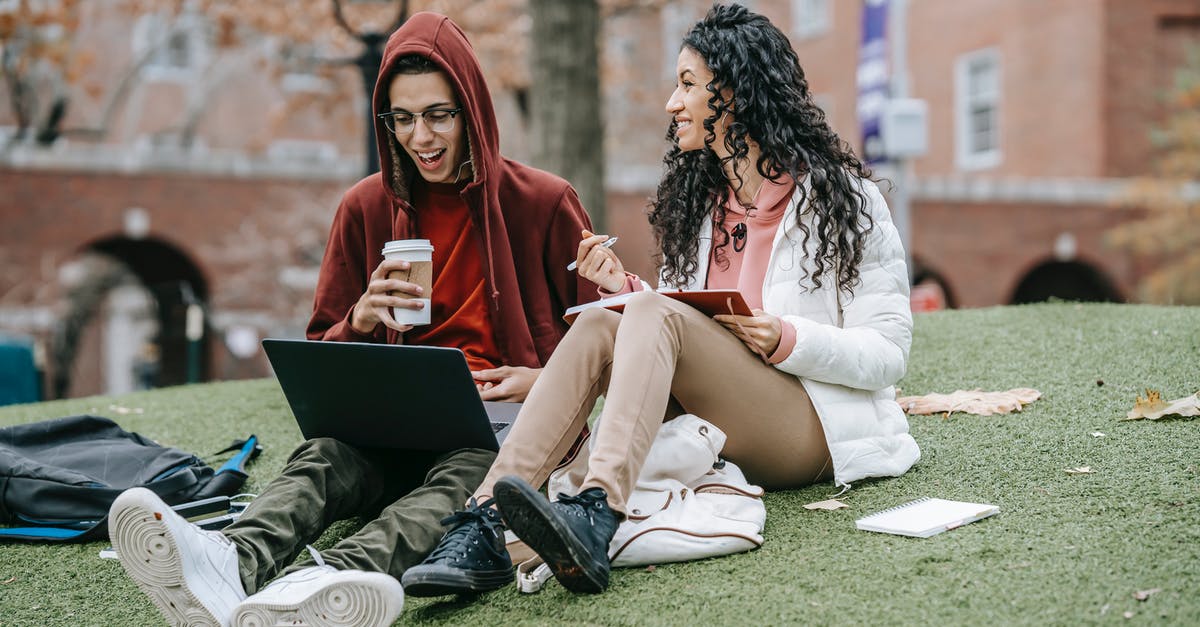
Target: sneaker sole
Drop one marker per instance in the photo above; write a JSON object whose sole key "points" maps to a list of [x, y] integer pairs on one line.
{"points": [[529, 516], [436, 580], [148, 553], [355, 599]]}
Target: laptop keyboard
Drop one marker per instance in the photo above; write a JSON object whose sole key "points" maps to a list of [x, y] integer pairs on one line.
{"points": [[498, 426]]}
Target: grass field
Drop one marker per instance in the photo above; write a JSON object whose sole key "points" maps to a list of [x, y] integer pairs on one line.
{"points": [[1065, 549]]}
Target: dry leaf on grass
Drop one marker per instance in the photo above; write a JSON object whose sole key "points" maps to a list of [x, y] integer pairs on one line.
{"points": [[829, 505], [1097, 434], [1079, 470], [970, 402], [1142, 595], [1152, 407]]}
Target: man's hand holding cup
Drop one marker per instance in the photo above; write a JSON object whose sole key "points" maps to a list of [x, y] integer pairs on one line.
{"points": [[398, 293]]}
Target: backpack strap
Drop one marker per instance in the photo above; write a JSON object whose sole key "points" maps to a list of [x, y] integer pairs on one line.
{"points": [[231, 476], [54, 534]]}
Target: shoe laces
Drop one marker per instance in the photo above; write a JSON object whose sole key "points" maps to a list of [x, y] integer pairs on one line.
{"points": [[585, 504], [464, 526]]}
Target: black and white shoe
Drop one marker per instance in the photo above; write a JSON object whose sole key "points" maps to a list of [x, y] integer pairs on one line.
{"points": [[470, 559], [571, 534]]}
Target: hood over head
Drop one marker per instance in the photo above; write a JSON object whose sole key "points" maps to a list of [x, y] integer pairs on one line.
{"points": [[440, 40]]}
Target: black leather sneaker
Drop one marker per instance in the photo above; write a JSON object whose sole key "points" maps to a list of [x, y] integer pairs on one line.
{"points": [[571, 534], [471, 558]]}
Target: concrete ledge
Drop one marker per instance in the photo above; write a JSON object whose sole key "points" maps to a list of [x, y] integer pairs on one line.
{"points": [[148, 159]]}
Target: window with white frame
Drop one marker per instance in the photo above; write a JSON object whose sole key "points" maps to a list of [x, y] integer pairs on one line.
{"points": [[175, 49], [811, 18], [977, 110], [302, 65]]}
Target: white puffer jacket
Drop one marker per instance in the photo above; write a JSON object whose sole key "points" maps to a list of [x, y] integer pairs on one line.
{"points": [[850, 351]]}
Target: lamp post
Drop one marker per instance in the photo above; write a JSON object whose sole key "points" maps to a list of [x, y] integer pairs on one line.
{"points": [[368, 63], [903, 127]]}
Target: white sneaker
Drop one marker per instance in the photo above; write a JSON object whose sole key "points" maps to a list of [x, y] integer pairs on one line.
{"points": [[189, 573], [325, 596]]}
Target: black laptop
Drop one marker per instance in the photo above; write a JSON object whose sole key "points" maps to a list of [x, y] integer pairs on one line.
{"points": [[387, 396]]}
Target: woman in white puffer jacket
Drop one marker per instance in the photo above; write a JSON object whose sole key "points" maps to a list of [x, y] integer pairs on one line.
{"points": [[761, 196]]}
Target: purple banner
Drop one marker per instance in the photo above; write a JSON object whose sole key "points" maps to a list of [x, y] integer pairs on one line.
{"points": [[873, 78]]}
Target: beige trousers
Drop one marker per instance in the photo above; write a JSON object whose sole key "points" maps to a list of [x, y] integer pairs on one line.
{"points": [[656, 352]]}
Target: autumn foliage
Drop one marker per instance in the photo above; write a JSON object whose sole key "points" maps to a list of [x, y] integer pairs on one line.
{"points": [[1169, 232], [43, 59]]}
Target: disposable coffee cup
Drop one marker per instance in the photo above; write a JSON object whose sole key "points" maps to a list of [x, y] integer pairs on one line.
{"points": [[419, 255]]}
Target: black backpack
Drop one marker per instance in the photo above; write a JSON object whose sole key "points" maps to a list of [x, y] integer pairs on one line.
{"points": [[59, 477]]}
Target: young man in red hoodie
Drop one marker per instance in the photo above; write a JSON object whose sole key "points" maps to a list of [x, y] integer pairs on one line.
{"points": [[503, 235]]}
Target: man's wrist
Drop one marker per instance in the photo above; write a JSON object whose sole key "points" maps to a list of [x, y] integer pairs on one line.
{"points": [[355, 322]]}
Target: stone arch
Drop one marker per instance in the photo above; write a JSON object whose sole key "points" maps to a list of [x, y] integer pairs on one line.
{"points": [[1068, 280], [118, 269]]}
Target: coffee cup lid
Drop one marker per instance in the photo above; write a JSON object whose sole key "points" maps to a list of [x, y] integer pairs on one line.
{"points": [[404, 245]]}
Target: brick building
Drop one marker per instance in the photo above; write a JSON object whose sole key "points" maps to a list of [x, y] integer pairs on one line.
{"points": [[1012, 201], [1039, 111]]}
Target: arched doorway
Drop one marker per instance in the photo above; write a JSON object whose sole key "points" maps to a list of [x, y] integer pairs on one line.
{"points": [[140, 291], [1066, 280]]}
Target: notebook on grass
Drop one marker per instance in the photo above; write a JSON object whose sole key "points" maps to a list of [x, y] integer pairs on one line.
{"points": [[925, 517], [711, 302]]}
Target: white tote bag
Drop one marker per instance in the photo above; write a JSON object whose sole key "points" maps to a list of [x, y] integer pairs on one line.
{"points": [[687, 504]]}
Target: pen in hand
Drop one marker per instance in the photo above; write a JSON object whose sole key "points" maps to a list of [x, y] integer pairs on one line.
{"points": [[606, 243]]}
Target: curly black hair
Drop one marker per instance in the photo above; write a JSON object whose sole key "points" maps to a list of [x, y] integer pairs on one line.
{"points": [[773, 107]]}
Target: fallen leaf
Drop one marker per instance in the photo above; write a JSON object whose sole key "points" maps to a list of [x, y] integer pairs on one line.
{"points": [[1128, 615], [1142, 595], [1104, 610], [970, 402], [1079, 470], [828, 505], [1152, 407], [8, 581], [1097, 434], [651, 568]]}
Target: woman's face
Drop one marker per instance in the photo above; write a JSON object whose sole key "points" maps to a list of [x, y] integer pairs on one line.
{"points": [[688, 104]]}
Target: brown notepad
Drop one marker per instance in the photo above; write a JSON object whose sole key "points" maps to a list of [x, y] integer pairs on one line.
{"points": [[709, 302]]}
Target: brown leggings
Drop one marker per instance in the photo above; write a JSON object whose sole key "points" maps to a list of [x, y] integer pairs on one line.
{"points": [[657, 351]]}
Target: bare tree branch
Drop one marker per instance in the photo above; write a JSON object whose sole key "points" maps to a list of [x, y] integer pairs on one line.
{"points": [[126, 83], [401, 18], [340, 18], [16, 93]]}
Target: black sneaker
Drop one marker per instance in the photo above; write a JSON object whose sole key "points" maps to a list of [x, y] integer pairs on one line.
{"points": [[571, 534], [471, 558]]}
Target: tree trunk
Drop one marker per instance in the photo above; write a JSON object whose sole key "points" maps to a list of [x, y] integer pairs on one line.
{"points": [[565, 100]]}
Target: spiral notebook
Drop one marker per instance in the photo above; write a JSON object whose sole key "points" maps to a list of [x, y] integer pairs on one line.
{"points": [[925, 517]]}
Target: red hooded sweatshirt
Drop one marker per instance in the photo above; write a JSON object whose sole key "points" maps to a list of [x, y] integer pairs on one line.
{"points": [[527, 221]]}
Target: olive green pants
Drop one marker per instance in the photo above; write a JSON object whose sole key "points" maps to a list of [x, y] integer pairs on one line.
{"points": [[403, 496]]}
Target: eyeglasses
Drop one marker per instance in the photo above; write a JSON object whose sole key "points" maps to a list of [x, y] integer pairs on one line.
{"points": [[403, 122]]}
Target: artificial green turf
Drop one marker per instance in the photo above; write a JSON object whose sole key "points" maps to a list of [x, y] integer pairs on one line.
{"points": [[1065, 549]]}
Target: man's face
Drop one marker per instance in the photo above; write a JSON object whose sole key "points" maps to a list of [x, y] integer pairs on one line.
{"points": [[437, 154]]}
